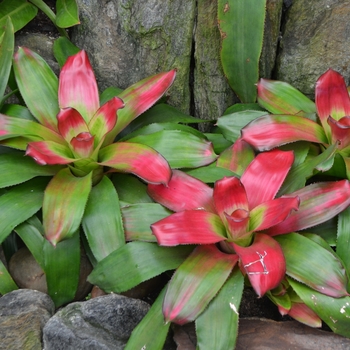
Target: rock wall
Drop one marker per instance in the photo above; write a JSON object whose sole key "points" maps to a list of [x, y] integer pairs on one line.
{"points": [[128, 40]]}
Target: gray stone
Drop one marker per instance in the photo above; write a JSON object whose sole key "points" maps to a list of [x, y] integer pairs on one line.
{"points": [[128, 40], [23, 314], [316, 37], [105, 322]]}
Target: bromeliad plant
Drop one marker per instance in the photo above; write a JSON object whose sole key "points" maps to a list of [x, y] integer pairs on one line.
{"points": [[236, 228]]}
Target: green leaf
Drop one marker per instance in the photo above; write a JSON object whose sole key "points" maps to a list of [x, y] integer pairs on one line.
{"points": [[180, 149], [7, 284], [64, 203], [62, 266], [196, 282], [138, 218], [134, 263], [209, 173], [309, 263], [335, 312], [160, 113], [219, 142], [130, 189], [241, 25], [217, 326], [21, 12], [62, 49], [102, 220], [240, 107], [231, 124], [6, 53], [19, 203], [67, 14], [17, 111], [15, 169], [151, 332], [37, 82], [343, 238], [298, 175]]}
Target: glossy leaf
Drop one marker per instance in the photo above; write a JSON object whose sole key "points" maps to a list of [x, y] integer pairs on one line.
{"points": [[67, 14], [217, 325], [7, 284], [319, 202], [20, 12], [263, 262], [175, 195], [62, 49], [271, 131], [139, 97], [180, 149], [281, 98], [15, 169], [6, 53], [138, 218], [137, 262], [265, 175], [332, 98], [241, 44], [102, 220], [311, 264], [237, 157], [231, 124], [137, 159], [335, 312], [343, 239], [143, 336], [62, 266], [19, 203], [37, 82], [196, 282], [48, 152], [78, 87], [189, 227], [70, 195]]}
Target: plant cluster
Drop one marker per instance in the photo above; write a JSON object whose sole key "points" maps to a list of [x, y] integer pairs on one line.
{"points": [[260, 202]]}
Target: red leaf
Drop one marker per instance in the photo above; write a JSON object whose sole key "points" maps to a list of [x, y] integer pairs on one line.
{"points": [[331, 97], [83, 145], [304, 314], [78, 87], [183, 192], [47, 152], [340, 131], [189, 227], [137, 159], [71, 123], [271, 131], [319, 202], [265, 175], [263, 262]]}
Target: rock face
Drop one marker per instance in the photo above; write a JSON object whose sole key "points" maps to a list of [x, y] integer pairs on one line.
{"points": [[130, 40], [23, 314], [316, 37], [105, 322]]}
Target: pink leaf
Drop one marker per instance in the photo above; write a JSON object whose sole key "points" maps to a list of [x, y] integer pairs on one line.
{"points": [[332, 98], [304, 314], [47, 152], [319, 202], [189, 227], [71, 123], [78, 87], [263, 262], [105, 119], [237, 225], [265, 175], [83, 145], [183, 192], [271, 131], [272, 213], [137, 159], [139, 97], [340, 131]]}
